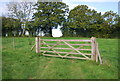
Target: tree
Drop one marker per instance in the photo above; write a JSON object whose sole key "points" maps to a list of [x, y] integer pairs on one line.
{"points": [[65, 29], [4, 29], [31, 28], [110, 23], [21, 11], [10, 26], [82, 20], [49, 15], [116, 29]]}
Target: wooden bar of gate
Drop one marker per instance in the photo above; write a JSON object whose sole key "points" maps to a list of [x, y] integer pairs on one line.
{"points": [[94, 48], [66, 40], [70, 49], [37, 41], [70, 44]]}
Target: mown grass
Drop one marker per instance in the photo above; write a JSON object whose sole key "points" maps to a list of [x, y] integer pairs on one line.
{"points": [[21, 63]]}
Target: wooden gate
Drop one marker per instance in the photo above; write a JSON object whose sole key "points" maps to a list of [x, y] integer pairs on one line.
{"points": [[76, 49]]}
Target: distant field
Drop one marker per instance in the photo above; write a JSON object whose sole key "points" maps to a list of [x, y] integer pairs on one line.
{"points": [[21, 63]]}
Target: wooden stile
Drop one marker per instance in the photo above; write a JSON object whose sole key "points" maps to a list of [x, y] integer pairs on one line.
{"points": [[51, 48]]}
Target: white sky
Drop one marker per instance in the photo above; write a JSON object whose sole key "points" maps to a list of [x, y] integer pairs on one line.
{"points": [[69, 0], [93, 0]]}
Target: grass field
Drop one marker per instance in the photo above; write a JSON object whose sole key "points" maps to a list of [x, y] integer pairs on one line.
{"points": [[21, 63]]}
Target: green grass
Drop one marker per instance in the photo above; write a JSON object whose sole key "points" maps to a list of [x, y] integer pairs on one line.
{"points": [[21, 63]]}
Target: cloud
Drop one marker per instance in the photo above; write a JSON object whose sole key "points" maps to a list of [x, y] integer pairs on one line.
{"points": [[102, 12], [92, 0], [17, 0], [3, 8], [72, 4], [69, 0], [91, 7], [4, 1]]}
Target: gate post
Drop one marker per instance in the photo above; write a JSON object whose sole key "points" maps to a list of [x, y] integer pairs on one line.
{"points": [[37, 42], [93, 45]]}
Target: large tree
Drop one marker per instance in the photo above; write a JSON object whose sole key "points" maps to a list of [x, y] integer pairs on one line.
{"points": [[82, 20], [10, 26], [49, 15], [110, 23], [22, 11]]}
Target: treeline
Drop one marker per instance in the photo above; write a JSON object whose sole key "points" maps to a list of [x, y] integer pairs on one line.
{"points": [[86, 22], [42, 17]]}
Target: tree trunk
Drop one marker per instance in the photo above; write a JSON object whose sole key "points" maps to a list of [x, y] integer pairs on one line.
{"points": [[10, 34], [21, 32], [40, 33], [3, 33], [17, 33], [50, 31]]}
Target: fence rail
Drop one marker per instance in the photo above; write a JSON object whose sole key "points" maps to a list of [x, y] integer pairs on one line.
{"points": [[70, 44], [68, 49], [66, 40]]}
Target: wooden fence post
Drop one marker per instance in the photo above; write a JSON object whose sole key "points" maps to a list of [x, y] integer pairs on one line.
{"points": [[37, 44], [96, 50], [93, 45], [98, 54]]}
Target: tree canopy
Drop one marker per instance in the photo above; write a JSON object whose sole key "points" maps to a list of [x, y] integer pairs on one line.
{"points": [[42, 17], [86, 22], [49, 15]]}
